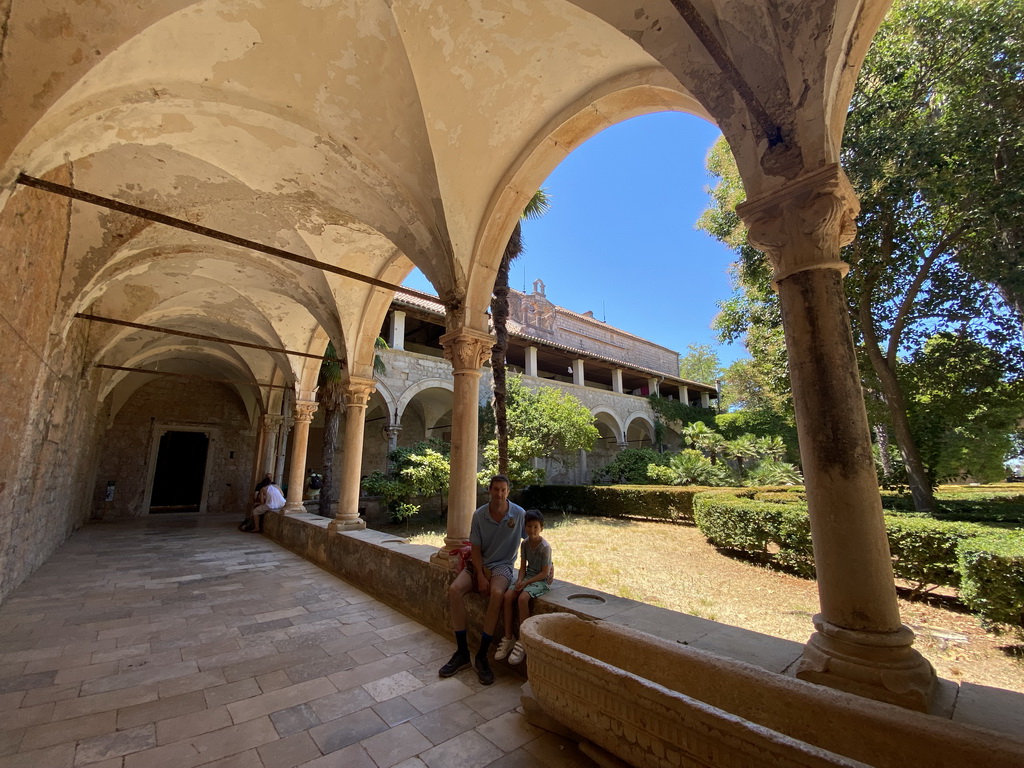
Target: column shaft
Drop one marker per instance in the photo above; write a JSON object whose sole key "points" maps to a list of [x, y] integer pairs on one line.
{"points": [[467, 350], [357, 394], [859, 644], [304, 410]]}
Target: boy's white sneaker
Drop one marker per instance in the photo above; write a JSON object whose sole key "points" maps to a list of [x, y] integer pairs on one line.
{"points": [[518, 653], [504, 648]]}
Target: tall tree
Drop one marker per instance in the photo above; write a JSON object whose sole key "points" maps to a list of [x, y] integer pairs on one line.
{"points": [[535, 208]]}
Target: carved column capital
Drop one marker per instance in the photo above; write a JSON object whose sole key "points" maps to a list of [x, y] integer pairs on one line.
{"points": [[304, 410], [357, 391], [804, 224], [272, 421], [467, 349]]}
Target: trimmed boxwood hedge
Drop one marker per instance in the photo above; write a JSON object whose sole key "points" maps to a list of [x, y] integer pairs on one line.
{"points": [[658, 502], [992, 579]]}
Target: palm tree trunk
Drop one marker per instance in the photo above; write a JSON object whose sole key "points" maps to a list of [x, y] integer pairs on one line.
{"points": [[499, 317], [332, 418]]}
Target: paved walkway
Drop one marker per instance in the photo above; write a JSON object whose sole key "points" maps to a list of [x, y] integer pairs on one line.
{"points": [[174, 642]]}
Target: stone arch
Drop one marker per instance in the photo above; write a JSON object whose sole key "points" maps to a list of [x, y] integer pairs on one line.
{"points": [[638, 92], [639, 429]]}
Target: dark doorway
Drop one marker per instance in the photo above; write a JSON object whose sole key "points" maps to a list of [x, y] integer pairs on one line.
{"points": [[180, 466]]}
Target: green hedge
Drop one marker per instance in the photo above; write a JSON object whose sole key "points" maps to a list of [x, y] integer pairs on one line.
{"points": [[924, 551], [658, 502], [992, 579], [766, 530]]}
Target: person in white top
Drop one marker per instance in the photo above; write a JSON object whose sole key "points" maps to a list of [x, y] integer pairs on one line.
{"points": [[271, 499]]}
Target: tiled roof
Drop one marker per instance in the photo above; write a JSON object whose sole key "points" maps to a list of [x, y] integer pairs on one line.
{"points": [[516, 330]]}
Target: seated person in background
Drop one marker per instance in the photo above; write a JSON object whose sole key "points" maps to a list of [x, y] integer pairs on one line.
{"points": [[270, 499]]}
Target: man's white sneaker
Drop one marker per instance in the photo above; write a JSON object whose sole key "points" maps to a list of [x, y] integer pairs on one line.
{"points": [[518, 653], [504, 648]]}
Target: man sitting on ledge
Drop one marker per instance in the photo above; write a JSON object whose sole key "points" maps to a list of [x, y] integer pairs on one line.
{"points": [[495, 535]]}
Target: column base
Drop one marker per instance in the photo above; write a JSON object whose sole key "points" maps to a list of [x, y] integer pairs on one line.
{"points": [[339, 524], [877, 665], [293, 508], [442, 559]]}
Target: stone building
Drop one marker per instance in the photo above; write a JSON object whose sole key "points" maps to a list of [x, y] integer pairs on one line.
{"points": [[219, 187], [609, 370]]}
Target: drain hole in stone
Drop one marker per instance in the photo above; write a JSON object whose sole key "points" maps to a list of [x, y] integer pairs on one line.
{"points": [[586, 599]]}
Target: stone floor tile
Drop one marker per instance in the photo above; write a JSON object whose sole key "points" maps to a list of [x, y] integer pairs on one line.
{"points": [[87, 672], [61, 756], [336, 734], [396, 711], [258, 706], [375, 670], [248, 759], [225, 694], [447, 722], [467, 750], [554, 751], [150, 660], [64, 661], [26, 717], [39, 736], [412, 762], [114, 762], [186, 726], [139, 677], [294, 719], [497, 699], [118, 744], [286, 613], [236, 738], [104, 702], [11, 700], [394, 685], [161, 709], [365, 655], [273, 681], [349, 757], [439, 694], [395, 745], [27, 682], [180, 754], [176, 686], [519, 758], [509, 731], [288, 752], [342, 703], [10, 740], [51, 693], [205, 650], [117, 654]]}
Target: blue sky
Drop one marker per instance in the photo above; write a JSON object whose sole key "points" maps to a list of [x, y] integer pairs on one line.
{"points": [[620, 238]]}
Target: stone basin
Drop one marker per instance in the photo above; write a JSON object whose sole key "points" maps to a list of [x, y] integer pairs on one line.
{"points": [[654, 703]]}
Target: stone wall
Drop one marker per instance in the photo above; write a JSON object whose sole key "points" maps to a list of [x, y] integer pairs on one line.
{"points": [[128, 445], [47, 411]]}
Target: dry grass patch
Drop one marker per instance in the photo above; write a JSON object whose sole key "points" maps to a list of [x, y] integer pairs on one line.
{"points": [[674, 567]]}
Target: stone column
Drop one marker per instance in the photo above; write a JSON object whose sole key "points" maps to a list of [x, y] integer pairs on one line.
{"points": [[652, 386], [617, 380], [622, 444], [466, 350], [271, 427], [393, 431], [357, 393], [304, 410], [684, 395], [398, 329], [705, 400], [531, 361], [577, 372], [860, 644]]}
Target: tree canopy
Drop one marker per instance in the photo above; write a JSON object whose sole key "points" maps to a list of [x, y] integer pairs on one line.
{"points": [[933, 147]]}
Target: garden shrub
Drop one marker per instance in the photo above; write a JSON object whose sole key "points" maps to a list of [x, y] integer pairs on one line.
{"points": [[992, 579], [924, 551], [767, 531], [654, 501]]}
